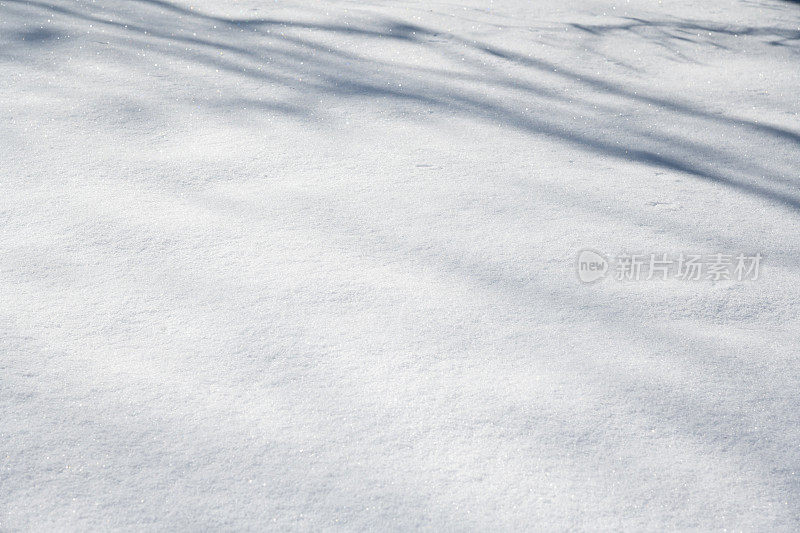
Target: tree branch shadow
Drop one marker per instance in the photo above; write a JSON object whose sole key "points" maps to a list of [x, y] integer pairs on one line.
{"points": [[471, 78]]}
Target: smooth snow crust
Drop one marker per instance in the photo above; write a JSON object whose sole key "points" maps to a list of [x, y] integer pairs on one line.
{"points": [[311, 265]]}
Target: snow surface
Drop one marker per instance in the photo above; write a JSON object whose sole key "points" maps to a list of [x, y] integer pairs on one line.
{"points": [[310, 265]]}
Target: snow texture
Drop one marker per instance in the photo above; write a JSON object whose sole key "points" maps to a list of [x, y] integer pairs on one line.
{"points": [[303, 265]]}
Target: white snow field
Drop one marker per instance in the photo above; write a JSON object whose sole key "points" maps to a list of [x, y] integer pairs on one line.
{"points": [[311, 265]]}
